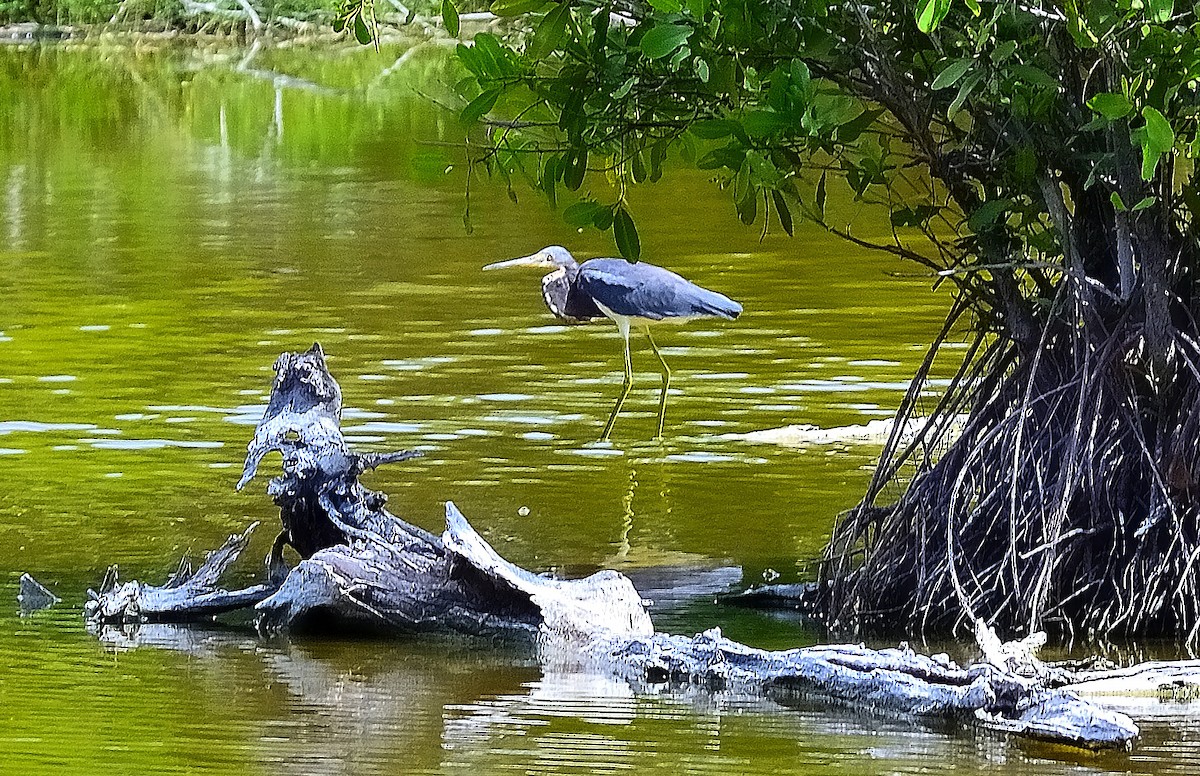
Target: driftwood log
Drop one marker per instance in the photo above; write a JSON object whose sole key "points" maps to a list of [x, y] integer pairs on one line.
{"points": [[362, 567]]}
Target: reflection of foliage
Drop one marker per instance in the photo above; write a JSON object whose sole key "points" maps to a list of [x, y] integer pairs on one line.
{"points": [[174, 13], [1039, 159]]}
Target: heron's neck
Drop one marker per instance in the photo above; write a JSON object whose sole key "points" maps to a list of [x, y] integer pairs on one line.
{"points": [[557, 291]]}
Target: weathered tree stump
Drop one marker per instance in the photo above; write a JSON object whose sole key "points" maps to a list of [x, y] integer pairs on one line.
{"points": [[361, 566]]}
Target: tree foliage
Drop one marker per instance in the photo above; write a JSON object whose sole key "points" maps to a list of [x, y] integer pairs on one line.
{"points": [[963, 118], [1045, 153]]}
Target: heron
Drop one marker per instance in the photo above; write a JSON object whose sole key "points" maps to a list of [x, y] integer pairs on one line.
{"points": [[631, 295]]}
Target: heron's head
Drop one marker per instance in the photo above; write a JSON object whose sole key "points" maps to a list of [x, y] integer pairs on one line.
{"points": [[549, 258]]}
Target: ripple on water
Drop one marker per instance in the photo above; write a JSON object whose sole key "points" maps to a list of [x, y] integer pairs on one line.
{"points": [[528, 420], [383, 427], [357, 413], [33, 426], [595, 452], [204, 408], [506, 396], [703, 456], [720, 375], [148, 444]]}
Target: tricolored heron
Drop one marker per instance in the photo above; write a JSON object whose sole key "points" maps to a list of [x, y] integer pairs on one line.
{"points": [[631, 295]]}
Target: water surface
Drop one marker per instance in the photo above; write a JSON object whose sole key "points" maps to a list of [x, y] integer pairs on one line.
{"points": [[173, 217]]}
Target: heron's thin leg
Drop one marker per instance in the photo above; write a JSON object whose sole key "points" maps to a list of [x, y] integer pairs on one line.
{"points": [[626, 388], [666, 385]]}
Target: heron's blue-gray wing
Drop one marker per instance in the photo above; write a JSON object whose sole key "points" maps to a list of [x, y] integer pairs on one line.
{"points": [[645, 291]]}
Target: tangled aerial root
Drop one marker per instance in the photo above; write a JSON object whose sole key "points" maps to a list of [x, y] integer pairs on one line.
{"points": [[1067, 501]]}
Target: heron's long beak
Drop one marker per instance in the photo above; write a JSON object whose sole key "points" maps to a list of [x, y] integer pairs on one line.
{"points": [[534, 260]]}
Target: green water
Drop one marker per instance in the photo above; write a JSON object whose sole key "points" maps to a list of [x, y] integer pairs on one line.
{"points": [[171, 218]]}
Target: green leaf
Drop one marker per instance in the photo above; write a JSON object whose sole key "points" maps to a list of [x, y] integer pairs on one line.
{"points": [[1084, 38], [637, 167], [1117, 202], [658, 155], [1159, 134], [987, 214], [747, 208], [851, 130], [478, 107], [450, 17], [625, 233], [664, 39], [516, 7], [677, 58], [930, 14], [582, 213], [1150, 159], [702, 70], [1145, 203], [954, 70], [1111, 106], [713, 129], [1160, 11], [549, 33], [362, 33], [493, 58], [574, 172], [741, 182], [821, 194], [603, 220], [834, 110], [471, 59], [964, 93], [667, 6], [783, 212], [1157, 138], [1004, 51], [760, 123], [1025, 163], [1036, 76], [549, 180]]}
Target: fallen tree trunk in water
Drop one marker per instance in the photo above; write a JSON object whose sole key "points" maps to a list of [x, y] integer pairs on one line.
{"points": [[362, 566]]}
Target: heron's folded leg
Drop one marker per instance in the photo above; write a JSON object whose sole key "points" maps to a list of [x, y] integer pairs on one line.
{"points": [[624, 389], [666, 385]]}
